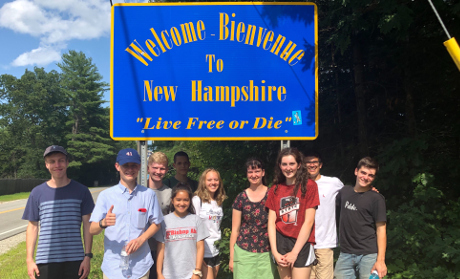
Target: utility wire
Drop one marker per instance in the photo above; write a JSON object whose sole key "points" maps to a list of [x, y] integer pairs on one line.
{"points": [[439, 18]]}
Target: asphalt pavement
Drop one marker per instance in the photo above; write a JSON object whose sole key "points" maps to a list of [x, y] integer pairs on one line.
{"points": [[11, 214]]}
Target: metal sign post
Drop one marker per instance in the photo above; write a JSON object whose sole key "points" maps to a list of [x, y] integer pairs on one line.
{"points": [[285, 144], [142, 176]]}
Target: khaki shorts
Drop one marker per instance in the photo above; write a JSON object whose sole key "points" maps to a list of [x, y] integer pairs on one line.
{"points": [[325, 267]]}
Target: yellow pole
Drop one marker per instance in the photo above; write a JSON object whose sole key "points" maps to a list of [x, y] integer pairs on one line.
{"points": [[454, 50]]}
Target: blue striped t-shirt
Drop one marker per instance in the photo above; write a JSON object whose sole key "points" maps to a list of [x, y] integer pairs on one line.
{"points": [[59, 211]]}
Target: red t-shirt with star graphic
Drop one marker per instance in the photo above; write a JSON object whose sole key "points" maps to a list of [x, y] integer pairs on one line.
{"points": [[290, 209]]}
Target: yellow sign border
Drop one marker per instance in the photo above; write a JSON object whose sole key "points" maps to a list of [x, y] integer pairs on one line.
{"points": [[215, 138]]}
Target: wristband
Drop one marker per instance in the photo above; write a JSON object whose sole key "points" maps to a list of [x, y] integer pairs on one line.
{"points": [[198, 272], [100, 225]]}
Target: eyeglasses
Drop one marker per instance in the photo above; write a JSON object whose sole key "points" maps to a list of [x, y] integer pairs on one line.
{"points": [[313, 162]]}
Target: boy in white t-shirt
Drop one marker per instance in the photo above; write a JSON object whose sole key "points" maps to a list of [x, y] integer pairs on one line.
{"points": [[325, 219]]}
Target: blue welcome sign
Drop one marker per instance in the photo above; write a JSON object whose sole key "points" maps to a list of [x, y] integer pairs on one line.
{"points": [[214, 71]]}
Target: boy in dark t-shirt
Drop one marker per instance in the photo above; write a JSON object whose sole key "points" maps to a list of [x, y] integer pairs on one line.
{"points": [[362, 229]]}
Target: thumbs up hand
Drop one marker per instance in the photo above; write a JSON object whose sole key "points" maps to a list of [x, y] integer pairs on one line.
{"points": [[110, 218]]}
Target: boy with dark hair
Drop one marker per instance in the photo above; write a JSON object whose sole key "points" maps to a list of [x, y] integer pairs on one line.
{"points": [[362, 230], [61, 205], [325, 221], [182, 166]]}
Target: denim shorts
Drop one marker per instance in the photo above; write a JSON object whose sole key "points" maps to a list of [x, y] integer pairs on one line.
{"points": [[212, 262], [352, 266]]}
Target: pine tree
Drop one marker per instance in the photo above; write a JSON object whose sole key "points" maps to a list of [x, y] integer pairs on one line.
{"points": [[87, 136]]}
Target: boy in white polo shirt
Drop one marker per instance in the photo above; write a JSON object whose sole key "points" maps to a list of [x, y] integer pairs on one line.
{"points": [[325, 220]]}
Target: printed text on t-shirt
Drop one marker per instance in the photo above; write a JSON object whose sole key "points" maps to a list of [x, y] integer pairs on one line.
{"points": [[350, 206], [178, 234]]}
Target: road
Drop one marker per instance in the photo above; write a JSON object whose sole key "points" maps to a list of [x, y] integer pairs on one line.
{"points": [[11, 214]]}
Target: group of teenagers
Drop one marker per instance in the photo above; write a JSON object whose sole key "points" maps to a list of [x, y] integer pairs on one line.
{"points": [[168, 228]]}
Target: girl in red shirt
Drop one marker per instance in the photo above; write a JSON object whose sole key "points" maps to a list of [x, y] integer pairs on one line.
{"points": [[292, 203]]}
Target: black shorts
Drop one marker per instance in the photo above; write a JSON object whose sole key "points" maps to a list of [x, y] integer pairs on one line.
{"points": [[68, 270], [306, 256], [212, 262]]}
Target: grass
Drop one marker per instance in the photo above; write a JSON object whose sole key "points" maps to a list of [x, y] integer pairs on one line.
{"points": [[98, 252], [13, 263], [17, 196]]}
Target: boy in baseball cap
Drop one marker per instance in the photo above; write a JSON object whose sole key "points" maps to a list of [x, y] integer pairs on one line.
{"points": [[124, 211], [59, 206]]}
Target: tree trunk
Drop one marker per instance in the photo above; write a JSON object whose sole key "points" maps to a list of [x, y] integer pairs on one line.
{"points": [[75, 123], [410, 114], [339, 113], [360, 96]]}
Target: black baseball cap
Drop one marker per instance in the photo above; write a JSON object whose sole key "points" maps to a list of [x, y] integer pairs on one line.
{"points": [[55, 148]]}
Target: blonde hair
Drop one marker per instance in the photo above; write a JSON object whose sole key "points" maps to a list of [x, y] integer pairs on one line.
{"points": [[159, 158], [202, 191]]}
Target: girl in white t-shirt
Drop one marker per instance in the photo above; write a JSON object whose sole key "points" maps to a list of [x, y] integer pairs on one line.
{"points": [[208, 201], [181, 238]]}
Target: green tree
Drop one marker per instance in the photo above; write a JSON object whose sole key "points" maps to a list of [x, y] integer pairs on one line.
{"points": [[87, 136], [40, 109], [31, 119]]}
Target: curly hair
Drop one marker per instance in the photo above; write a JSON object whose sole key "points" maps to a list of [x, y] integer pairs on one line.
{"points": [[301, 176], [176, 189], [202, 191]]}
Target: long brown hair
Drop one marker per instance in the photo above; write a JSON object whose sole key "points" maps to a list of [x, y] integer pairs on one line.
{"points": [[301, 176], [202, 191]]}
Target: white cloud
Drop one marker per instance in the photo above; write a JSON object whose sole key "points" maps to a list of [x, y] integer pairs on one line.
{"points": [[55, 22], [40, 56]]}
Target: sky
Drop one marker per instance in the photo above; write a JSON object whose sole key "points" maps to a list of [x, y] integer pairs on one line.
{"points": [[35, 33]]}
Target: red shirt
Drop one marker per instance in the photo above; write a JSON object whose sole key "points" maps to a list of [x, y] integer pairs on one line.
{"points": [[290, 210]]}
